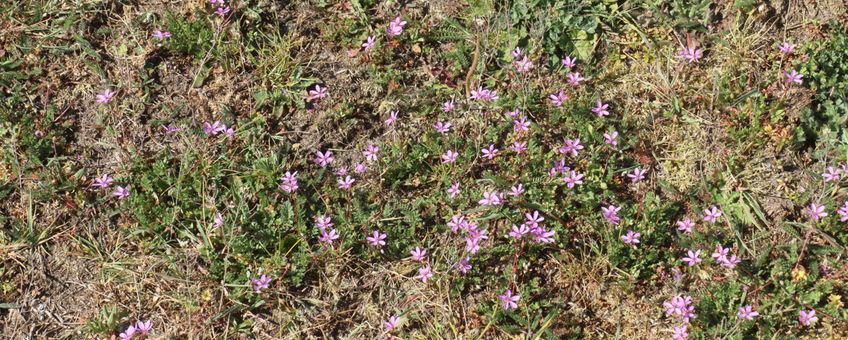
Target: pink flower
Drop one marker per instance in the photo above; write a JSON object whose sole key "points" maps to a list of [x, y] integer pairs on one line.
{"points": [[472, 246], [610, 138], [631, 238], [490, 198], [831, 174], [448, 106], [121, 192], [787, 48], [793, 77], [557, 99], [222, 11], [128, 333], [679, 333], [807, 318], [211, 129], [368, 44], [514, 113], [690, 55], [559, 168], [474, 237], [442, 128], [524, 65], [572, 147], [575, 78], [323, 159], [457, 222], [541, 235], [573, 179], [449, 157], [843, 212], [521, 125], [418, 254], [720, 254], [377, 239], [391, 324], [317, 93], [102, 182], [516, 53], [289, 182], [260, 283], [516, 190], [370, 153], [484, 95], [229, 131], [508, 300], [161, 35], [519, 231], [323, 222], [218, 220], [329, 237], [392, 118], [490, 153], [676, 275], [360, 168], [816, 212], [685, 225], [637, 175], [533, 220], [680, 306], [464, 265], [600, 109], [692, 258], [569, 62], [169, 129], [747, 313], [712, 214], [341, 171], [519, 147], [105, 97], [395, 27], [610, 214], [143, 327], [424, 274], [731, 262], [453, 191], [346, 183]]}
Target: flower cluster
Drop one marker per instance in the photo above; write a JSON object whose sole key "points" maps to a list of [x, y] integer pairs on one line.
{"points": [[521, 62], [395, 27], [288, 182], [532, 226], [484, 95], [328, 234], [221, 8], [139, 329], [680, 307], [721, 257], [215, 128]]}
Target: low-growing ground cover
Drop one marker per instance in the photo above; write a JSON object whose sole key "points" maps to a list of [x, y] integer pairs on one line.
{"points": [[423, 169]]}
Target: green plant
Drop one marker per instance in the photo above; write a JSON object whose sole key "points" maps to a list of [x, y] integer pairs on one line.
{"points": [[107, 320], [570, 27], [191, 37], [826, 72]]}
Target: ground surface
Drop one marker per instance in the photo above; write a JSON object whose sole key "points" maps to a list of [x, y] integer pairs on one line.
{"points": [[207, 212]]}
